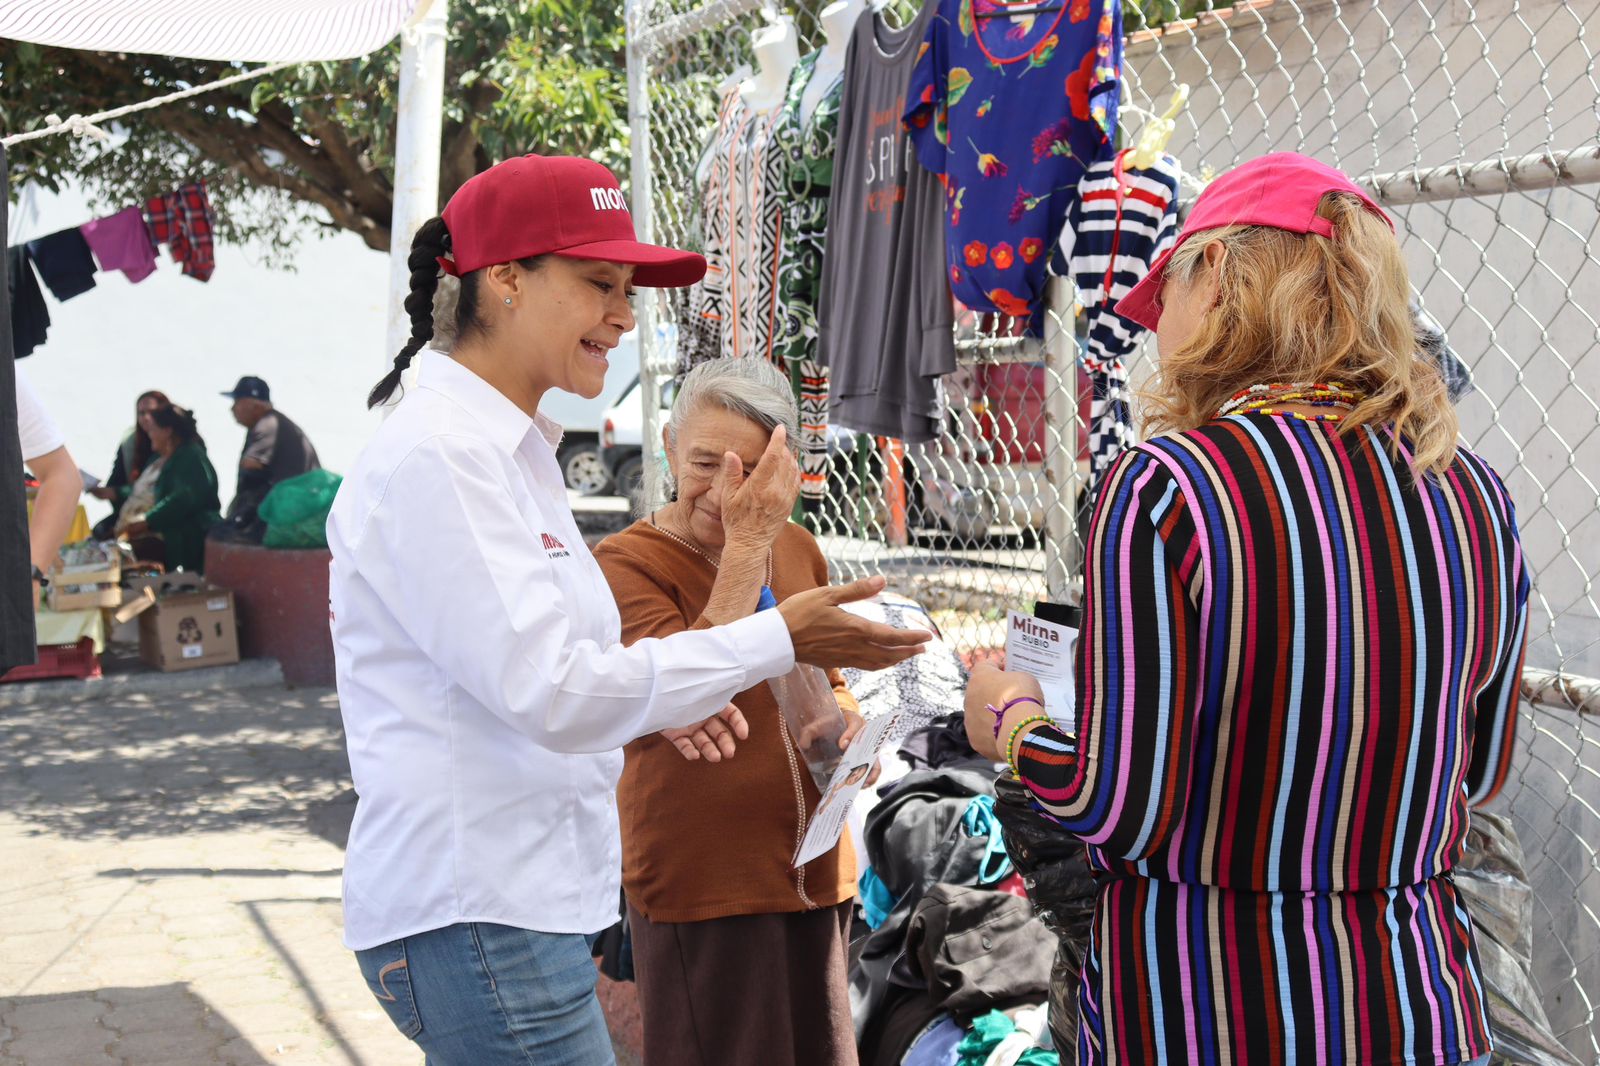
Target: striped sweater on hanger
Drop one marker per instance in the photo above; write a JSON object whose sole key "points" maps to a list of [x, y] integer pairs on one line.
{"points": [[1123, 219], [1295, 674]]}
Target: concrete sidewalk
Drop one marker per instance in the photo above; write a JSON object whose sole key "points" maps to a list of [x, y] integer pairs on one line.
{"points": [[170, 888]]}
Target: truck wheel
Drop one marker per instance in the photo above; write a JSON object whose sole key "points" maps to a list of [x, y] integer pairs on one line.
{"points": [[583, 471]]}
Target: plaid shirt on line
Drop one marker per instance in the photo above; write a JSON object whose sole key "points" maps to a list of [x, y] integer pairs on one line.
{"points": [[182, 220]]}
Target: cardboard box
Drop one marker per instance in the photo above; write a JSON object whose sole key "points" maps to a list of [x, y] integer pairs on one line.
{"points": [[183, 626]]}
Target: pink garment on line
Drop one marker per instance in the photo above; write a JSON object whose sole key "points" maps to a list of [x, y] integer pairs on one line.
{"points": [[122, 242]]}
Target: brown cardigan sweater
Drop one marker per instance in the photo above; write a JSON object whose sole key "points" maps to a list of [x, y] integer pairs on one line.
{"points": [[707, 840]]}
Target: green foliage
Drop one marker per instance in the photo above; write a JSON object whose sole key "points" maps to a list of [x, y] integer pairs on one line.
{"points": [[1153, 14], [313, 146]]}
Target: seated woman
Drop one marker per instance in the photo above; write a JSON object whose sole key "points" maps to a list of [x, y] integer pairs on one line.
{"points": [[185, 504], [739, 956], [1304, 614], [133, 458]]}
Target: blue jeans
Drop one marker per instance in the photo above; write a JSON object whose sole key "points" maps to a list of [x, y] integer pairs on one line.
{"points": [[478, 994]]}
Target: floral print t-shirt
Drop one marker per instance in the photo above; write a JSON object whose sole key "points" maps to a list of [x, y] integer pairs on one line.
{"points": [[1009, 103]]}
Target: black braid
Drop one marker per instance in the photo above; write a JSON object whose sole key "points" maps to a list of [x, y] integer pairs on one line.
{"points": [[432, 241]]}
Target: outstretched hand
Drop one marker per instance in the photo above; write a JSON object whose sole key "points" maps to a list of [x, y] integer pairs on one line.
{"points": [[713, 739], [826, 636]]}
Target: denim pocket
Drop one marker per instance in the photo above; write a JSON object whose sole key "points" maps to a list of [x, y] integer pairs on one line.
{"points": [[389, 977]]}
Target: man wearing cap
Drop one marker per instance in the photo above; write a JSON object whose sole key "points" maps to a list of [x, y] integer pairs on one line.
{"points": [[275, 449]]}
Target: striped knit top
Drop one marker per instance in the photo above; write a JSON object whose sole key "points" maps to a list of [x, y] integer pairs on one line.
{"points": [[1297, 669]]}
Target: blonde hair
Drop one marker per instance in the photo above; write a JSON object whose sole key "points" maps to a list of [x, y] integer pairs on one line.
{"points": [[1299, 308]]}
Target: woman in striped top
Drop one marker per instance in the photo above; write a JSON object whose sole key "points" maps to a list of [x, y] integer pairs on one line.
{"points": [[1304, 617]]}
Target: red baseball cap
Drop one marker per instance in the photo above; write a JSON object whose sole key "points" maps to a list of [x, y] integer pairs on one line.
{"points": [[1281, 190], [554, 205]]}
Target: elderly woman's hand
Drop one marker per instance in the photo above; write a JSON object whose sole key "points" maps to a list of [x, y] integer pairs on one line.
{"points": [[990, 689], [712, 739], [754, 513]]}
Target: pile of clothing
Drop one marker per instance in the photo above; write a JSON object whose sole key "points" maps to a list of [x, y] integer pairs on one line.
{"points": [[977, 907]]}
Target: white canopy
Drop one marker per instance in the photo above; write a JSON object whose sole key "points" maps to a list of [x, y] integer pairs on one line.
{"points": [[259, 31]]}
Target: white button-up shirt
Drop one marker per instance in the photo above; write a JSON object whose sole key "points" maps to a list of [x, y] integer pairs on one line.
{"points": [[484, 689]]}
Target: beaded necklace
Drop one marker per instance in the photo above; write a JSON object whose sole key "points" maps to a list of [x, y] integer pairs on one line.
{"points": [[1272, 399], [701, 551]]}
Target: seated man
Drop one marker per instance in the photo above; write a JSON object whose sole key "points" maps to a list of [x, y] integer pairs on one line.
{"points": [[275, 449]]}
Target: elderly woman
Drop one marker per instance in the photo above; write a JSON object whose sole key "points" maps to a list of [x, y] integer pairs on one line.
{"points": [[1304, 615], [740, 957], [183, 503]]}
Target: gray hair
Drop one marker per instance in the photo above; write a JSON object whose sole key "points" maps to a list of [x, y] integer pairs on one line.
{"points": [[745, 385]]}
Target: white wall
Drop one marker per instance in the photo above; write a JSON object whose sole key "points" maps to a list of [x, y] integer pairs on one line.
{"points": [[315, 335]]}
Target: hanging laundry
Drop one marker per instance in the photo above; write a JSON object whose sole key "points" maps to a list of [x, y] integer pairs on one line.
{"points": [[1123, 219], [182, 221], [30, 318], [64, 263], [1010, 109], [122, 242], [884, 318], [735, 308], [807, 146]]}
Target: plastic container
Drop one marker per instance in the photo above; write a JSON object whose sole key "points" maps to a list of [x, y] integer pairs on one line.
{"points": [[814, 719], [59, 660], [809, 710]]}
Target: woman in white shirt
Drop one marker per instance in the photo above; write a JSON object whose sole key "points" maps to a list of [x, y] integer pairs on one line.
{"points": [[44, 453], [484, 690]]}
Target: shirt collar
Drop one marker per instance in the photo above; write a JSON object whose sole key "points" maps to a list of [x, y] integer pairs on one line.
{"points": [[506, 424]]}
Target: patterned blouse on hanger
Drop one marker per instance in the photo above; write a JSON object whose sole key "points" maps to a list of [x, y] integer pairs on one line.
{"points": [[807, 145], [736, 310]]}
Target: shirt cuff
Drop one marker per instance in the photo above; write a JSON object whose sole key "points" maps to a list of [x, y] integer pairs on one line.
{"points": [[764, 646]]}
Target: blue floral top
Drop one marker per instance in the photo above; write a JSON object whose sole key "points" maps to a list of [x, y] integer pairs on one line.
{"points": [[1010, 108]]}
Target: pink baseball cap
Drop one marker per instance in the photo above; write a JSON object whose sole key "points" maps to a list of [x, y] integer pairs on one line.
{"points": [[554, 205], [1281, 190]]}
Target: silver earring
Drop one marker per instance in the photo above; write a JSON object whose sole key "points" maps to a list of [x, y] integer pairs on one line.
{"points": [[508, 301]]}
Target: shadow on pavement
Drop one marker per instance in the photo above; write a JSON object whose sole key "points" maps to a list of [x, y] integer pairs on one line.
{"points": [[161, 1023], [178, 763]]}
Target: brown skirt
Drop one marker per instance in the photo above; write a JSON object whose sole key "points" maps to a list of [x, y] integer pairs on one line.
{"points": [[750, 990]]}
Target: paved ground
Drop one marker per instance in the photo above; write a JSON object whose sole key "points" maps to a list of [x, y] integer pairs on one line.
{"points": [[169, 883]]}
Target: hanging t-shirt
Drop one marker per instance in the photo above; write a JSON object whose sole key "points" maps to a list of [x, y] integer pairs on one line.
{"points": [[735, 309], [64, 263], [1123, 219], [885, 322], [122, 242], [30, 318], [807, 143], [1010, 109]]}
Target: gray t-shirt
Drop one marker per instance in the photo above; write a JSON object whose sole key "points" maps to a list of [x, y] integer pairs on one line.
{"points": [[884, 312]]}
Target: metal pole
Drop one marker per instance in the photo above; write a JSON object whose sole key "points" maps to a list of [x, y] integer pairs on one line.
{"points": [[1061, 444], [1489, 177], [653, 363], [416, 154]]}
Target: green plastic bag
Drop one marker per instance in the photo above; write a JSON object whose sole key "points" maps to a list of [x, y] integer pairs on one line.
{"points": [[296, 510]]}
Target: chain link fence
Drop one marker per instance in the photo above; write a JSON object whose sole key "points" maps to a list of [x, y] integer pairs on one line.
{"points": [[1476, 124]]}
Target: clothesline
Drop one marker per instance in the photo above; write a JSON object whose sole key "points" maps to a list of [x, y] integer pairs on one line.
{"points": [[88, 125]]}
